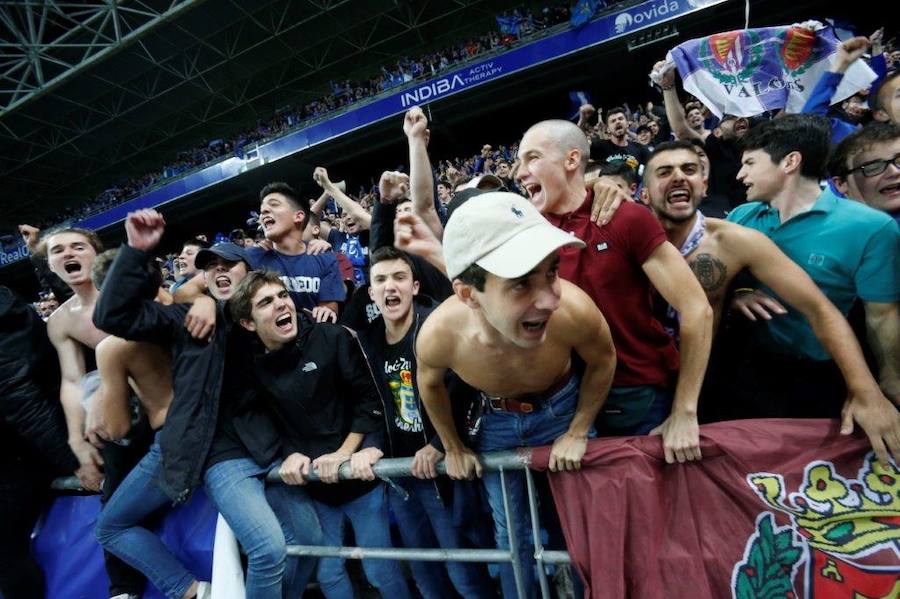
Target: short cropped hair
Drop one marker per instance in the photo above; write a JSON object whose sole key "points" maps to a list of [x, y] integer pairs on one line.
{"points": [[296, 201], [807, 134], [858, 142], [566, 135], [389, 253], [241, 302], [669, 146], [612, 111], [618, 168], [475, 276]]}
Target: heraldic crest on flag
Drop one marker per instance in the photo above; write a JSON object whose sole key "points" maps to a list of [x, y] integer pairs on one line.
{"points": [[750, 71], [843, 535]]}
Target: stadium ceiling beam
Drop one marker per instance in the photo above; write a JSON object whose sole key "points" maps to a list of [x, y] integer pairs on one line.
{"points": [[182, 127], [183, 68], [52, 41]]}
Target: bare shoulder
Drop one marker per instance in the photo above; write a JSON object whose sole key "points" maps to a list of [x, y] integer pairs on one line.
{"points": [[440, 330], [575, 306], [59, 322], [732, 235]]}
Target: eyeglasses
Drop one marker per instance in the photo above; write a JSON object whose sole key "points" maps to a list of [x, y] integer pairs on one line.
{"points": [[876, 167]]}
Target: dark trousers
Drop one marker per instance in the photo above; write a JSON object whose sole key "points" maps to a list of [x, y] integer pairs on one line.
{"points": [[118, 461], [748, 382], [23, 496]]}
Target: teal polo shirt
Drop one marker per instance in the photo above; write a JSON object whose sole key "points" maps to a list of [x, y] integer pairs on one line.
{"points": [[847, 248]]}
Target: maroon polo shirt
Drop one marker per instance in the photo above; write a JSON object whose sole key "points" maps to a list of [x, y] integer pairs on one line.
{"points": [[609, 270]]}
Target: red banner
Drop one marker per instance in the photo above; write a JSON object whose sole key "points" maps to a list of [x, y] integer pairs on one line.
{"points": [[776, 508]]}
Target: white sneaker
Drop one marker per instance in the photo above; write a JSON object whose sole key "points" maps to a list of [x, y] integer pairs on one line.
{"points": [[125, 596], [204, 590]]}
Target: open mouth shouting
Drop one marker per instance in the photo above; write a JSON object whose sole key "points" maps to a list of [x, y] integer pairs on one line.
{"points": [[679, 196], [72, 266], [534, 328], [267, 221], [285, 323], [223, 282], [392, 301]]}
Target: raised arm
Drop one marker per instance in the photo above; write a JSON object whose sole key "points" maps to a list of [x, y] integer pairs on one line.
{"points": [[672, 277], [674, 109], [421, 179], [127, 310], [347, 204], [847, 53]]}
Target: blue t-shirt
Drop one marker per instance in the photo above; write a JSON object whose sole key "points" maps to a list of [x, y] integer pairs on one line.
{"points": [[309, 279], [850, 250], [356, 248]]}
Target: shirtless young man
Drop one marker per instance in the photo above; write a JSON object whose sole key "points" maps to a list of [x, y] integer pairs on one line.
{"points": [[717, 250], [70, 255], [510, 330]]}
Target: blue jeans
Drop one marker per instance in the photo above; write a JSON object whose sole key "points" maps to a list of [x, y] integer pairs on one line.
{"points": [[300, 523], [369, 517], [425, 522], [506, 430], [235, 487]]}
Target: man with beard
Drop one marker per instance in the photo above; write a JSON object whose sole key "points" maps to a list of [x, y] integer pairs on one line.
{"points": [[618, 147], [718, 250], [720, 146]]}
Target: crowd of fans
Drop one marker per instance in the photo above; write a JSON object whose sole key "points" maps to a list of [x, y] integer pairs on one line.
{"points": [[515, 26], [626, 238]]}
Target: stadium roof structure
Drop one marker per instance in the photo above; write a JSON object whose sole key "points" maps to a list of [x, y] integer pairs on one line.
{"points": [[93, 91]]}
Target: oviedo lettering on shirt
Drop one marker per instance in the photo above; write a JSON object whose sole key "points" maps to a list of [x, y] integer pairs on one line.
{"points": [[302, 284]]}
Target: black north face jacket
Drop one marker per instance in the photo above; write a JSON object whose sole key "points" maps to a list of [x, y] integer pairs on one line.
{"points": [[198, 373]]}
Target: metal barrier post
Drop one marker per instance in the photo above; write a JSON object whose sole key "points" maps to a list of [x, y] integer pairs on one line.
{"points": [[513, 541], [536, 531]]}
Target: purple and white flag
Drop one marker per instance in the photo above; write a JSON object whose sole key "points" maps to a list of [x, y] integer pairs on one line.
{"points": [[750, 71]]}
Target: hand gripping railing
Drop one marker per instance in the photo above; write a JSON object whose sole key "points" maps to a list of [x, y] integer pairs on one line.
{"points": [[388, 469]]}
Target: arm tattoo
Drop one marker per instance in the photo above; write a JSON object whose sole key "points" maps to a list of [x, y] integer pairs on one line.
{"points": [[710, 271]]}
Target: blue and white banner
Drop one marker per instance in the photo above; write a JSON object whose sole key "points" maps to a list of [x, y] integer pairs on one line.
{"points": [[526, 56], [751, 71], [10, 255]]}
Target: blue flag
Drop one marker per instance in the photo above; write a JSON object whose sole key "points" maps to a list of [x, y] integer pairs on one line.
{"points": [[750, 71], [578, 99], [508, 25], [584, 10]]}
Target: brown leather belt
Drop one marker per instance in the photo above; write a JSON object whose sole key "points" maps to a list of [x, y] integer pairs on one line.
{"points": [[526, 403]]}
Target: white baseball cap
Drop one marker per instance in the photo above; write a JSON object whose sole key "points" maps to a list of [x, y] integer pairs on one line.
{"points": [[502, 233]]}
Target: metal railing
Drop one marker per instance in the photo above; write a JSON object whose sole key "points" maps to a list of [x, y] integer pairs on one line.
{"points": [[391, 468]]}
